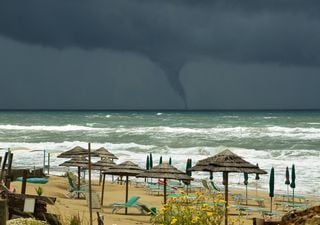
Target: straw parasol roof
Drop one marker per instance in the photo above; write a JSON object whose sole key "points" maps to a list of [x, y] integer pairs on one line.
{"points": [[104, 153], [103, 164], [127, 169], [226, 162], [76, 162], [165, 171], [74, 152]]}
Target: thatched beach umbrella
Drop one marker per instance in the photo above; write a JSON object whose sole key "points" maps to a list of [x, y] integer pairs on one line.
{"points": [[226, 162], [104, 153], [74, 152], [102, 165], [79, 162], [127, 169], [165, 171]]}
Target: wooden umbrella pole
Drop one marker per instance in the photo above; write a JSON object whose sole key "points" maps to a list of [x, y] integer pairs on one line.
{"points": [[226, 198], [90, 194], [79, 174], [165, 190], [127, 188], [102, 192]]}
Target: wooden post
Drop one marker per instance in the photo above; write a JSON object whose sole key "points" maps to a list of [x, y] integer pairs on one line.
{"points": [[8, 175], [165, 190], [102, 192], [4, 165], [3, 211], [24, 181], [48, 163], [90, 194], [127, 190]]}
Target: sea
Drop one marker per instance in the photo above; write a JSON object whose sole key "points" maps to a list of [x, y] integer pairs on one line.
{"points": [[276, 139]]}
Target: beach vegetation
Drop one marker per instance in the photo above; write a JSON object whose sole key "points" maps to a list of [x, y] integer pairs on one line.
{"points": [[26, 221], [185, 210], [39, 190]]}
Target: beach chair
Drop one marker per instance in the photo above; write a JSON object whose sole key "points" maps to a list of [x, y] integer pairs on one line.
{"points": [[215, 187], [206, 186], [132, 203], [73, 191]]}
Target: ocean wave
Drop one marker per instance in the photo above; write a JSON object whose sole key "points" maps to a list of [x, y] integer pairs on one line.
{"points": [[68, 127], [218, 133]]}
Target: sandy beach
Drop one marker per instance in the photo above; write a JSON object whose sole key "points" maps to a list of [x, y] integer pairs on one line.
{"points": [[66, 207]]}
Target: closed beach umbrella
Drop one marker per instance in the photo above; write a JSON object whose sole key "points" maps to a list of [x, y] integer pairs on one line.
{"points": [[127, 169], [226, 162], [257, 178], [246, 178], [165, 171], [287, 182], [147, 163], [160, 160], [170, 161], [151, 161], [188, 172], [188, 167], [293, 181], [271, 186]]}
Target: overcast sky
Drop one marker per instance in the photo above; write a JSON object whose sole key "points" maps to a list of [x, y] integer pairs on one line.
{"points": [[159, 54]]}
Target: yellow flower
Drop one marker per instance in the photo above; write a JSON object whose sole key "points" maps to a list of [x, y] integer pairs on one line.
{"points": [[173, 221], [209, 213], [195, 220], [205, 205]]}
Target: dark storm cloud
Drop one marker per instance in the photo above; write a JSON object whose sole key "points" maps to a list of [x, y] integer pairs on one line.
{"points": [[173, 33]]}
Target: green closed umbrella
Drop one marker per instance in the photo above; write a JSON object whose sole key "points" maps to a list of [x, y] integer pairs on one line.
{"points": [[170, 161], [160, 160], [293, 181], [246, 178], [271, 187], [287, 182], [147, 166], [151, 161], [188, 172], [148, 163], [257, 178]]}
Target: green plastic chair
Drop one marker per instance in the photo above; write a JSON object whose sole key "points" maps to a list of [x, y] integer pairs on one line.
{"points": [[73, 190]]}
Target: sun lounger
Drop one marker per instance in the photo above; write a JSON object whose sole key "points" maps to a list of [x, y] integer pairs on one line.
{"points": [[74, 191], [132, 203], [240, 199]]}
